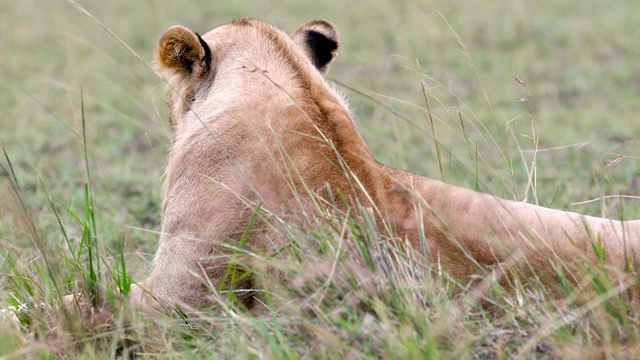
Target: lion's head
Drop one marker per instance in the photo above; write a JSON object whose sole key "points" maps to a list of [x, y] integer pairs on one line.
{"points": [[195, 63]]}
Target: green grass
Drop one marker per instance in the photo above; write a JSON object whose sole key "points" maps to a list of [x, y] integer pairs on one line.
{"points": [[83, 125]]}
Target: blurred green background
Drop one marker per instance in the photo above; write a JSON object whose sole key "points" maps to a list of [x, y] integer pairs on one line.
{"points": [[580, 61]]}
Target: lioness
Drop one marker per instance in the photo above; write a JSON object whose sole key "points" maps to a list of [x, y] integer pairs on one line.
{"points": [[255, 122]]}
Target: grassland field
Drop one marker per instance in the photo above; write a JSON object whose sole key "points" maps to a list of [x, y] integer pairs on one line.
{"points": [[504, 89]]}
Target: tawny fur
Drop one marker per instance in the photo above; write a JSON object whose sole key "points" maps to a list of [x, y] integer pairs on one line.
{"points": [[263, 109]]}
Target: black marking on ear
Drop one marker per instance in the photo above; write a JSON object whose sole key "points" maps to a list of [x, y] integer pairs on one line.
{"points": [[321, 47], [207, 53]]}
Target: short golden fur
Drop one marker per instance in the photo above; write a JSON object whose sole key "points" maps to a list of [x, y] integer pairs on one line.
{"points": [[248, 104]]}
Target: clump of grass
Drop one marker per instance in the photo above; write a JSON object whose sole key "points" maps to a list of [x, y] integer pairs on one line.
{"points": [[36, 290]]}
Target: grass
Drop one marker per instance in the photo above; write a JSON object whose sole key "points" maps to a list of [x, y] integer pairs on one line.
{"points": [[434, 86]]}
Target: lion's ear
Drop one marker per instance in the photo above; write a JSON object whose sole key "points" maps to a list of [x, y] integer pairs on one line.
{"points": [[320, 40], [183, 51]]}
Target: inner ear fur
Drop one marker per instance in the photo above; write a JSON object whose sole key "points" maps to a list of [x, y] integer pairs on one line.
{"points": [[183, 50], [320, 40]]}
